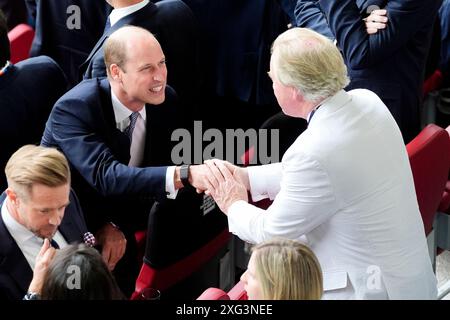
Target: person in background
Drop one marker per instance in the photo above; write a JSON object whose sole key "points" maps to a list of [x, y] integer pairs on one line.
{"points": [[385, 52], [77, 272], [37, 206], [282, 269], [350, 198]]}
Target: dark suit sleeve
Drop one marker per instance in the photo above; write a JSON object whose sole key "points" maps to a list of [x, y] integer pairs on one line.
{"points": [[308, 15], [361, 50], [72, 129]]}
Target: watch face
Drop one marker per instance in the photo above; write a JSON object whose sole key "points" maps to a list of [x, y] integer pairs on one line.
{"points": [[32, 296]]}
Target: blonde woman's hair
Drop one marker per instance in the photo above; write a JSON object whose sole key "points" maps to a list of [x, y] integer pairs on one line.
{"points": [[287, 270], [309, 62], [36, 165]]}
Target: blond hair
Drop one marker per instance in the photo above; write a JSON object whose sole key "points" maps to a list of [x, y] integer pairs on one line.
{"points": [[32, 165], [309, 62], [115, 47], [287, 270]]}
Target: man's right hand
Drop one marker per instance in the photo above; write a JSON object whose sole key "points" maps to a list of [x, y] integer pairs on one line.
{"points": [[113, 244], [376, 20]]}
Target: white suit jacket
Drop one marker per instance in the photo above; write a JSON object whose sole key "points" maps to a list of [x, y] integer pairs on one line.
{"points": [[345, 188]]}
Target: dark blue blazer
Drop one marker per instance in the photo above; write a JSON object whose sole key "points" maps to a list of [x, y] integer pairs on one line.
{"points": [[391, 63], [236, 38], [68, 47], [444, 14], [15, 272], [174, 25], [82, 125], [28, 92]]}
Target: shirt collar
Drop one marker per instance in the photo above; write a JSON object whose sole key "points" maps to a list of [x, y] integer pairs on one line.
{"points": [[118, 14], [121, 112], [19, 232]]}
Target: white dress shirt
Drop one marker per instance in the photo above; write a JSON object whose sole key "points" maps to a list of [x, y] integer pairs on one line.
{"points": [[346, 186], [118, 14], [122, 116], [27, 241]]}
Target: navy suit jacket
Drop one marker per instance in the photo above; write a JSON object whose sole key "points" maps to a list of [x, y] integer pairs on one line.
{"points": [[28, 90], [82, 125], [68, 47], [391, 63], [15, 272], [236, 40], [174, 25]]}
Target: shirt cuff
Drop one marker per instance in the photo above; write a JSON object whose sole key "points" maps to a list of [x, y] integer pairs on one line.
{"points": [[170, 185]]}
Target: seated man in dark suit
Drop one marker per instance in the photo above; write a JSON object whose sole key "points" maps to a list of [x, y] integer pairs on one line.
{"points": [[28, 91], [38, 204], [111, 131], [67, 30], [172, 23], [390, 62]]}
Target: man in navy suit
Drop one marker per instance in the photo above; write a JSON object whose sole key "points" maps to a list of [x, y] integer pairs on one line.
{"points": [[116, 133], [38, 204], [172, 23], [67, 30], [390, 62], [28, 91]]}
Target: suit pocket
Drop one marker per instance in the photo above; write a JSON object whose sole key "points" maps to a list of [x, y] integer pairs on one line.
{"points": [[334, 279]]}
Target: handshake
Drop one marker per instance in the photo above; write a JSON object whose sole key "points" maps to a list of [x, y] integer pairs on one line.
{"points": [[225, 182]]}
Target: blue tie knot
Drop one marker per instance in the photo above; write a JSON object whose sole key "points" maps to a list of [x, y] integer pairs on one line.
{"points": [[54, 244]]}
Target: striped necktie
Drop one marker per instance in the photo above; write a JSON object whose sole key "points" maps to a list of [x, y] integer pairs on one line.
{"points": [[129, 130]]}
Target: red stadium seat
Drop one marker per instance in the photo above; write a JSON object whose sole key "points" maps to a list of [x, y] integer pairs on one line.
{"points": [[20, 39], [238, 292], [429, 156], [214, 294]]}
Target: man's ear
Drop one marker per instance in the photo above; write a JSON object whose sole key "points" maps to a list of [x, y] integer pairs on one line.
{"points": [[12, 195], [114, 70]]}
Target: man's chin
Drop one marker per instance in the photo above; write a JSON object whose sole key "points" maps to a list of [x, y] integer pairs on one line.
{"points": [[46, 234]]}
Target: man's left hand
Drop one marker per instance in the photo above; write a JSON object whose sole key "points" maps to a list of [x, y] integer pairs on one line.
{"points": [[228, 188], [113, 244]]}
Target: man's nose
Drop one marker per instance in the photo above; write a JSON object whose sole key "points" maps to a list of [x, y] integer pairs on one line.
{"points": [[55, 219]]}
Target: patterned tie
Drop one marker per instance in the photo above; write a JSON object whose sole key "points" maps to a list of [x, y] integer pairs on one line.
{"points": [[54, 244], [129, 130]]}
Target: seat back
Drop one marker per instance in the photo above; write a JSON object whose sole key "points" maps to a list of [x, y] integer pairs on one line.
{"points": [[238, 292], [429, 156], [183, 236], [20, 39], [214, 294]]}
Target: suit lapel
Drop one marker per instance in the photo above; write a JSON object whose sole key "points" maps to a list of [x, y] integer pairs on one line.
{"points": [[12, 260]]}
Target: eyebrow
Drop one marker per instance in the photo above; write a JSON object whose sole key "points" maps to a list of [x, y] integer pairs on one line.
{"points": [[150, 64], [46, 209]]}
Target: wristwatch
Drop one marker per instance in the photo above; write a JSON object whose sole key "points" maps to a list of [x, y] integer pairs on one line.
{"points": [[184, 174], [32, 296]]}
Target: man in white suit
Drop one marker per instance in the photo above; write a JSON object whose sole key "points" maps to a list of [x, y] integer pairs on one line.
{"points": [[345, 186]]}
